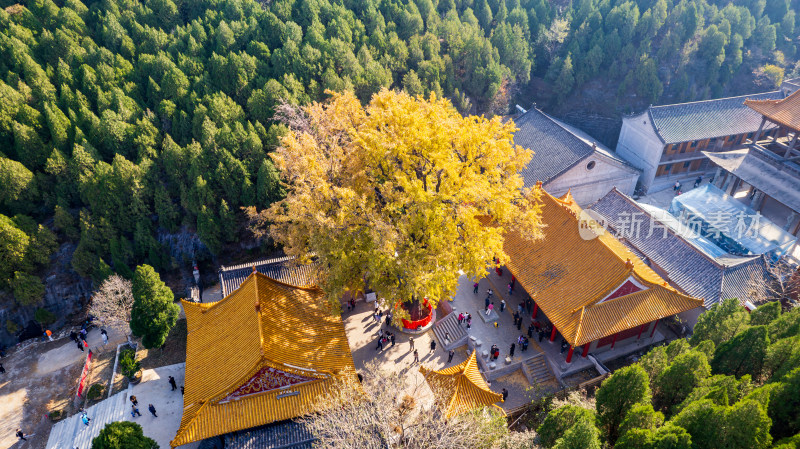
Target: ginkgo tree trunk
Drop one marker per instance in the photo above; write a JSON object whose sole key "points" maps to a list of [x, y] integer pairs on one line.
{"points": [[402, 194]]}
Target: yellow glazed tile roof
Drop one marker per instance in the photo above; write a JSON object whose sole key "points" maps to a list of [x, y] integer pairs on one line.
{"points": [[262, 354], [568, 276], [462, 386], [785, 111]]}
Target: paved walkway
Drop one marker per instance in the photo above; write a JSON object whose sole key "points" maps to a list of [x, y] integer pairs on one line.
{"points": [[154, 389], [362, 334]]}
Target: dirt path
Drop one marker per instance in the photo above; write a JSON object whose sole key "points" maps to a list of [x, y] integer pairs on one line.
{"points": [[40, 377]]}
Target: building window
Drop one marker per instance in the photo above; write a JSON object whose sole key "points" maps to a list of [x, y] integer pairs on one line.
{"points": [[590, 165], [750, 136], [694, 144], [667, 168], [686, 164], [712, 141]]}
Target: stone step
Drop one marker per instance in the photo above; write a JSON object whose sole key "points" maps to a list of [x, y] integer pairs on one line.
{"points": [[72, 433], [449, 325], [536, 369]]}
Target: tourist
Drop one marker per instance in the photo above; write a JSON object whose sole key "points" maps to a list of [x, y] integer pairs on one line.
{"points": [[486, 303], [564, 346], [490, 292], [475, 288], [520, 309], [489, 309], [411, 344], [181, 389], [391, 337], [2, 370], [376, 317], [516, 317], [433, 345], [698, 181], [85, 418], [530, 330], [519, 340], [134, 401], [525, 343], [49, 334], [492, 355], [447, 338], [510, 289], [380, 344], [511, 351], [498, 271], [541, 335], [519, 324], [134, 411], [389, 318], [104, 336], [73, 336], [450, 356], [513, 281], [529, 305], [380, 333], [152, 410], [496, 353], [21, 435], [460, 318], [80, 345], [505, 394], [416, 356], [82, 334], [380, 316], [502, 305], [676, 186], [172, 383], [469, 321]]}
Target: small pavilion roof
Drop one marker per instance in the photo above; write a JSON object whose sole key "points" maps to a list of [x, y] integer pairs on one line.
{"points": [[262, 354], [587, 282], [462, 386], [784, 112]]}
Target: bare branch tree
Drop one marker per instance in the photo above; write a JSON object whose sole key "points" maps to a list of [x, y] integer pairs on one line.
{"points": [[112, 303], [778, 282], [384, 411]]}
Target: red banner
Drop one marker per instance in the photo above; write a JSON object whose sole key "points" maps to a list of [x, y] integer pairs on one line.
{"points": [[84, 374]]}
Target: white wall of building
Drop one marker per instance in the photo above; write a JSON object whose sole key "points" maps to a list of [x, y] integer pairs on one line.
{"points": [[589, 185], [639, 145]]}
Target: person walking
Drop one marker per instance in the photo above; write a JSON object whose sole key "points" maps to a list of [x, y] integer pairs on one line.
{"points": [[73, 336], [134, 411], [502, 305], [510, 289], [21, 435], [82, 334], [511, 351], [525, 343], [433, 345], [490, 292], [134, 401], [152, 410], [475, 288], [391, 338], [380, 344], [698, 181], [411, 343], [486, 303], [450, 356], [516, 317], [49, 334], [520, 309], [460, 318], [504, 392], [172, 383], [530, 330], [447, 338], [416, 356], [519, 324], [85, 418], [80, 344], [469, 321], [104, 336]]}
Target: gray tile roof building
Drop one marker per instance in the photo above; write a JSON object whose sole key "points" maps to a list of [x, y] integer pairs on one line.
{"points": [[765, 171], [283, 269], [685, 266], [700, 120], [280, 435], [557, 146]]}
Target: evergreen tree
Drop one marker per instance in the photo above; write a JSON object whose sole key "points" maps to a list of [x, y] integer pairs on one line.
{"points": [[154, 313]]}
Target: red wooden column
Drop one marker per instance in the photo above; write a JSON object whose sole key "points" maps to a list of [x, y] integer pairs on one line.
{"points": [[553, 334], [653, 332], [586, 349], [569, 354], [614, 341], [535, 309], [641, 329]]}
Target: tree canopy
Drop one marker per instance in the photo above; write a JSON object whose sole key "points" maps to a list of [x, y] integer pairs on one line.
{"points": [[402, 194], [153, 313], [123, 435]]}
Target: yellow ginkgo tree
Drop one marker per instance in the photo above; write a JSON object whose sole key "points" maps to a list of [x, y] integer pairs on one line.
{"points": [[401, 194]]}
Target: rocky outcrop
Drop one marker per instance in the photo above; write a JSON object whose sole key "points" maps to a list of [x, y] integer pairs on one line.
{"points": [[183, 246], [65, 294]]}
